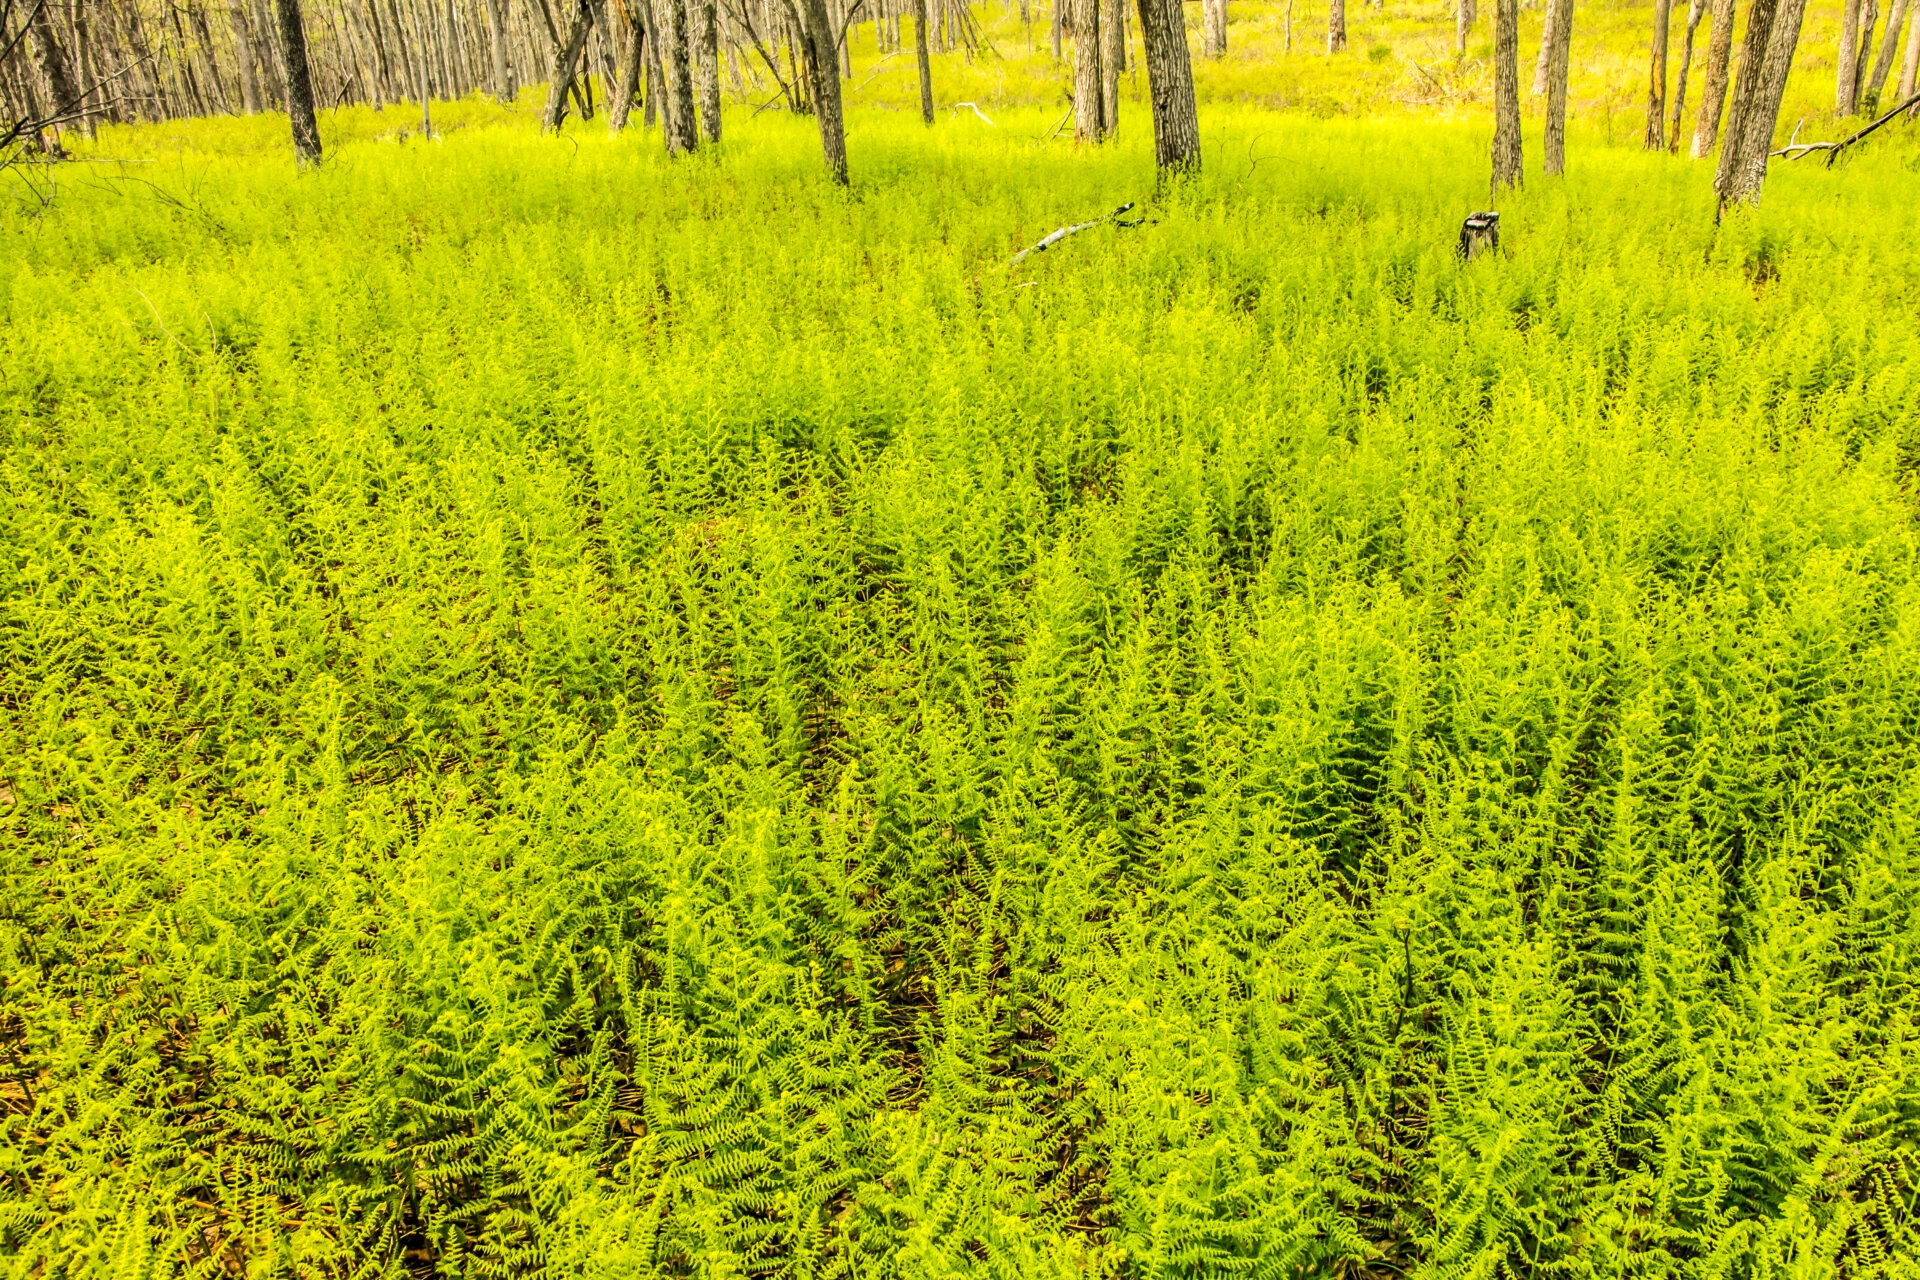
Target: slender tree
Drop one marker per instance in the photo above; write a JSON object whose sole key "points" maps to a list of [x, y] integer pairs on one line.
{"points": [[706, 66], [503, 87], [1463, 16], [1847, 73], [1336, 26], [63, 94], [1213, 15], [621, 105], [1760, 111], [822, 62], [299, 81], [1694, 11], [1657, 76], [1089, 114], [1909, 62], [426, 87], [1713, 94], [1559, 52], [246, 58], [1889, 46], [566, 57], [926, 65], [1506, 95], [1542, 64], [1176, 117], [677, 122], [1113, 60]]}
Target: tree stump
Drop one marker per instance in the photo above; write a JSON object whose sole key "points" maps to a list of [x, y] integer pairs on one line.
{"points": [[1480, 231]]}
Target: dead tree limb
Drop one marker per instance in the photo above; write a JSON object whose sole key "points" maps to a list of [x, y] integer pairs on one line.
{"points": [[1047, 242], [1794, 150]]}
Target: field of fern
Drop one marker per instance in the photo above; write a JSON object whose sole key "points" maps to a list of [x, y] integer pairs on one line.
{"points": [[568, 714]]}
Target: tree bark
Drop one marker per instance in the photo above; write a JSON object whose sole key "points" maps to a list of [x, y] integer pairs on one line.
{"points": [[1463, 16], [1336, 26], [426, 87], [293, 57], [247, 60], [566, 57], [1753, 53], [1909, 61], [1847, 77], [1059, 26], [503, 87], [1655, 139], [1762, 112], [1889, 46], [1113, 57], [677, 120], [1694, 12], [1213, 15], [1089, 114], [822, 68], [1542, 64], [926, 64], [706, 66], [1176, 117], [63, 97], [621, 105], [1506, 95], [1713, 94], [1554, 143]]}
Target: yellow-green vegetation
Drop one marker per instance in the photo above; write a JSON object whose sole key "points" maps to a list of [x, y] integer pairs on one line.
{"points": [[568, 714]]}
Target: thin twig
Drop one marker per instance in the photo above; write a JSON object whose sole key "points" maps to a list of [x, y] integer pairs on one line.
{"points": [[977, 111], [1793, 150], [163, 324]]}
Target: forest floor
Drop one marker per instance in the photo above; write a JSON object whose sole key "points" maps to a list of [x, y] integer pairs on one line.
{"points": [[568, 713]]}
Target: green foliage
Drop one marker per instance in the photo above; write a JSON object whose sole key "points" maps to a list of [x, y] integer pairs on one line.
{"points": [[572, 715]]}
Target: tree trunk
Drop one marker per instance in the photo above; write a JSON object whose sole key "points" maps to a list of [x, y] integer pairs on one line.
{"points": [[621, 105], [1762, 112], [1694, 12], [1058, 27], [293, 57], [1846, 79], [1713, 95], [822, 69], [1909, 61], [1657, 77], [1176, 117], [706, 66], [1506, 95], [926, 65], [1554, 144], [1463, 16], [62, 96], [677, 119], [426, 86], [1113, 57], [247, 59], [1089, 114], [1542, 64], [1889, 46], [1213, 15], [1753, 53], [1336, 26], [566, 57], [503, 88]]}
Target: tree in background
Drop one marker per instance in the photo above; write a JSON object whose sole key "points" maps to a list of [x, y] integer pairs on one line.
{"points": [[1336, 26], [1713, 94], [1558, 47], [1463, 16], [1766, 57], [706, 66], [1657, 77], [1695, 11], [1089, 111], [1889, 46], [293, 58], [1176, 116], [1506, 95], [926, 65], [1213, 15]]}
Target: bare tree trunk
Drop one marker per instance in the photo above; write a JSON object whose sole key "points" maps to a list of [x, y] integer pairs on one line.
{"points": [[822, 63], [706, 66], [1541, 69], [677, 120], [1213, 15], [1463, 16], [1554, 143], [293, 57], [1753, 53], [1713, 95], [622, 103], [1176, 116], [926, 66], [1909, 61], [1762, 112], [1089, 116], [566, 57], [502, 71], [1336, 26], [1058, 26], [424, 76], [1113, 57], [62, 96], [1657, 77], [1882, 65], [1847, 77], [1506, 95], [247, 59], [1694, 12]]}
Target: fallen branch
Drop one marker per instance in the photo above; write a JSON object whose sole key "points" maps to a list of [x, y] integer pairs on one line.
{"points": [[972, 108], [876, 71], [1056, 237], [1794, 149]]}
